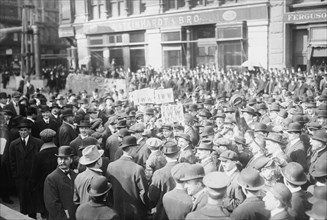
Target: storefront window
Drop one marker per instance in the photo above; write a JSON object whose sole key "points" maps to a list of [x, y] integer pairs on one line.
{"points": [[96, 60], [230, 54], [172, 56], [117, 55], [137, 58], [135, 37], [171, 36]]}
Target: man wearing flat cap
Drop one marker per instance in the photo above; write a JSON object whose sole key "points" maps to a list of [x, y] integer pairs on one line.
{"points": [[203, 153], [177, 203], [162, 181], [130, 197], [44, 163], [193, 176], [92, 159], [252, 207], [59, 187], [215, 184], [22, 152]]}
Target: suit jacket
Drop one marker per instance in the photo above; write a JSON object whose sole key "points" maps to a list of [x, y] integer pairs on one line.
{"points": [[234, 195], [299, 206], [111, 147], [66, 134], [252, 208], [209, 211], [22, 110], [193, 134], [177, 204], [297, 153], [142, 153], [129, 187], [58, 195], [162, 182], [95, 211], [209, 166], [41, 125], [284, 215], [44, 163]]}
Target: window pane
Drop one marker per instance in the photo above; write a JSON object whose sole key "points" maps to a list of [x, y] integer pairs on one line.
{"points": [[319, 34], [112, 39], [119, 39], [235, 32], [136, 37], [172, 58], [171, 36]]}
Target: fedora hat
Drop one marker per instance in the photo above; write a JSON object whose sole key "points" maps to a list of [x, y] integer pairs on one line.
{"points": [[178, 171], [98, 186], [274, 137], [318, 210], [294, 173], [260, 127], [320, 135], [319, 193], [90, 154], [294, 127], [170, 147], [205, 145], [67, 112], [184, 136], [25, 123], [137, 128], [45, 108], [84, 124], [65, 151], [216, 180], [129, 141], [193, 171], [249, 110], [250, 179], [205, 113], [121, 124]]}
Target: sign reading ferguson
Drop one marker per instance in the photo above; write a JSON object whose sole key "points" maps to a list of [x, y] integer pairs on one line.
{"points": [[305, 16]]}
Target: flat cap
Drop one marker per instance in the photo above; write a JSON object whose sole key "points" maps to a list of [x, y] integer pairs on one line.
{"points": [[137, 128], [154, 142], [228, 155], [216, 180], [47, 133], [178, 171]]}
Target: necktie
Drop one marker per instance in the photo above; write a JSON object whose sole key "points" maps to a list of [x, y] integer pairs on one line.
{"points": [[24, 142]]}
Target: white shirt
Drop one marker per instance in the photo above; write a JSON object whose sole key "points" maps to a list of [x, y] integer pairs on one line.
{"points": [[26, 139], [275, 212]]}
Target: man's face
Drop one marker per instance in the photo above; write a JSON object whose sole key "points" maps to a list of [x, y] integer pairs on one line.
{"points": [[192, 187], [219, 122], [84, 131], [321, 120], [24, 132], [182, 143], [202, 154], [228, 165], [55, 111], [270, 201], [166, 133], [64, 162], [46, 115], [3, 101], [7, 117], [16, 99]]}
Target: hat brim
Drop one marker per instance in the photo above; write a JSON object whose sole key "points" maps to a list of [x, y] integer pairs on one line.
{"points": [[319, 139], [64, 116], [60, 155], [298, 183], [127, 145], [84, 161], [202, 148], [24, 126], [191, 177], [270, 139], [98, 194], [242, 184]]}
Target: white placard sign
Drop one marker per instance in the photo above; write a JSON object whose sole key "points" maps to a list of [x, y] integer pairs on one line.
{"points": [[143, 96], [172, 113], [163, 96]]}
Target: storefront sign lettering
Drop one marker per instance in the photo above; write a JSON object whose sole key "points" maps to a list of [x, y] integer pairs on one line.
{"points": [[306, 16]]}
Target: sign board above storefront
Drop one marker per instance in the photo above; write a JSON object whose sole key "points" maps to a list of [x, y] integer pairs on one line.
{"points": [[66, 32], [215, 16], [306, 16]]}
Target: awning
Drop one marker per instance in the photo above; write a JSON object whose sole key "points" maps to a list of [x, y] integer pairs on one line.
{"points": [[319, 52]]}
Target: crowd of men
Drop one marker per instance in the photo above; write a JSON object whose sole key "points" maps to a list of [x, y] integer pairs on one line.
{"points": [[251, 146]]}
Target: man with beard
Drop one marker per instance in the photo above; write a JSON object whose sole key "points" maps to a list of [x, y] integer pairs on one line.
{"points": [[59, 187]]}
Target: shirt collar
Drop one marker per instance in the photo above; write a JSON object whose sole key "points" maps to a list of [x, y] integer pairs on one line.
{"points": [[276, 211], [294, 190], [69, 124], [26, 139]]}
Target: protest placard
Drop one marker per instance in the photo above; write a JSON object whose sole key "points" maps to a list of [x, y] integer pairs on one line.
{"points": [[163, 96], [172, 113], [143, 96]]}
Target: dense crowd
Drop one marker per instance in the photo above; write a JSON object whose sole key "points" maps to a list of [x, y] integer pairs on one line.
{"points": [[252, 145]]}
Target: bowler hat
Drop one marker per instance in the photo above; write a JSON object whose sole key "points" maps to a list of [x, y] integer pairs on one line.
{"points": [[99, 186], [170, 147], [121, 124], [129, 141], [184, 136], [137, 128], [250, 179], [294, 173], [16, 94], [282, 193], [205, 145], [249, 110], [318, 210], [67, 112], [274, 107], [319, 193], [178, 171], [65, 151], [3, 95], [320, 135], [123, 132], [204, 113], [84, 124], [216, 180], [90, 154], [25, 123], [294, 127], [193, 171], [260, 127], [274, 137], [228, 155]]}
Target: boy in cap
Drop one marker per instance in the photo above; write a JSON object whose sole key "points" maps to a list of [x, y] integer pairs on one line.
{"points": [[215, 184], [277, 200], [177, 203]]}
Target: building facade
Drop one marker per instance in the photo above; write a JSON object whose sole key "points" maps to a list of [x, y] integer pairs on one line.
{"points": [[174, 33], [45, 13]]}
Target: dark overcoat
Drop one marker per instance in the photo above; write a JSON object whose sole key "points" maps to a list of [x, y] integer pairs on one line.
{"points": [[66, 134]]}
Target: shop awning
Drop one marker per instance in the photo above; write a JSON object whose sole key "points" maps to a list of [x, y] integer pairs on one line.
{"points": [[319, 52]]}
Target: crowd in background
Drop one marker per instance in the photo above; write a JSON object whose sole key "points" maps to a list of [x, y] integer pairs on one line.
{"points": [[252, 145]]}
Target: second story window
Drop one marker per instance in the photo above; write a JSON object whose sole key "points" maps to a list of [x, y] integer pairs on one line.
{"points": [[116, 8], [97, 9], [173, 4]]}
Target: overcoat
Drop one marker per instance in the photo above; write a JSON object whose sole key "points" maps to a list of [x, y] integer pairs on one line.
{"points": [[252, 208], [130, 188], [21, 161], [297, 153], [66, 134], [209, 211], [58, 195], [95, 211], [299, 205]]}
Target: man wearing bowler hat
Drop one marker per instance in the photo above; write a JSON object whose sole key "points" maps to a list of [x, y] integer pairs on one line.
{"points": [[96, 208], [318, 147], [67, 131], [59, 187], [162, 181], [252, 207], [46, 122], [113, 141], [277, 200], [216, 184], [177, 203], [203, 153], [194, 174], [294, 178], [93, 161], [130, 197], [22, 152], [231, 167]]}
